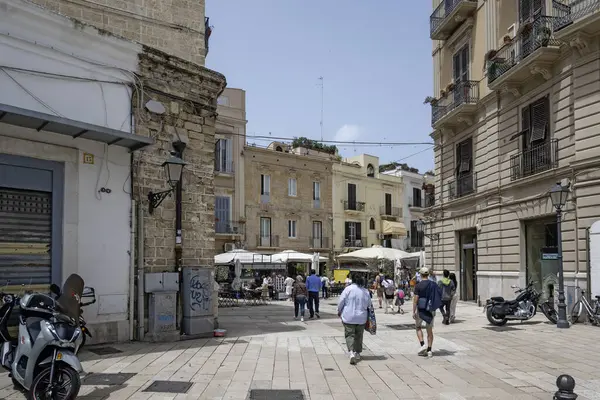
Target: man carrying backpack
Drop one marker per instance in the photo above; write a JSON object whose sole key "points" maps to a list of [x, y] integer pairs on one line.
{"points": [[427, 299], [448, 290], [389, 288]]}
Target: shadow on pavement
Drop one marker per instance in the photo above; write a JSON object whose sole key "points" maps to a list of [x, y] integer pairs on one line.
{"points": [[102, 393]]}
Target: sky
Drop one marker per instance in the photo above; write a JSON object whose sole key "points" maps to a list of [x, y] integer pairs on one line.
{"points": [[374, 57]]}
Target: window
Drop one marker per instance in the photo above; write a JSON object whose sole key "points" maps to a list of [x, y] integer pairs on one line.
{"points": [[465, 182], [417, 202], [551, 237], [352, 234], [316, 194], [292, 229], [370, 171], [372, 224], [388, 204], [535, 122], [265, 188], [223, 214], [265, 232], [416, 237], [317, 235], [278, 148], [351, 196], [224, 155], [460, 66], [292, 187], [530, 9]]}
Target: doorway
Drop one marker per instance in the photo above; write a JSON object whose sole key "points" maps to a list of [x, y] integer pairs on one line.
{"points": [[468, 265], [541, 242]]}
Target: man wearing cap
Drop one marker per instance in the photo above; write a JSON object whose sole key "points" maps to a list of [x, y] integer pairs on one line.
{"points": [[422, 317]]}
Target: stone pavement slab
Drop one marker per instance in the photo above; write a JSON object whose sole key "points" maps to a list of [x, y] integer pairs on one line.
{"points": [[265, 348]]}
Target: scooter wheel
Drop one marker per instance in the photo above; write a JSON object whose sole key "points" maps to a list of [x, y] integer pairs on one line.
{"points": [[62, 373]]}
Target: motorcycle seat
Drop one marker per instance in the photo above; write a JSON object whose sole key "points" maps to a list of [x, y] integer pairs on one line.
{"points": [[497, 299]]}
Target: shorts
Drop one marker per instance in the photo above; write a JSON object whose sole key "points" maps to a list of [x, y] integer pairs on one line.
{"points": [[420, 323], [389, 297], [379, 292]]}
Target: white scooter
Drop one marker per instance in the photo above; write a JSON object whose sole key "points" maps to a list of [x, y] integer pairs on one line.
{"points": [[43, 360]]}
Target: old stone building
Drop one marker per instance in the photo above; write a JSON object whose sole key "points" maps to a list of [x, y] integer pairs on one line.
{"points": [[176, 27], [288, 199]]}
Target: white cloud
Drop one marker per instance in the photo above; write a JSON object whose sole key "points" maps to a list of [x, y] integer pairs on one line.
{"points": [[348, 133]]}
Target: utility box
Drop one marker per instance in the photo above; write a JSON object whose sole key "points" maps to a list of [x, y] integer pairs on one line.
{"points": [[198, 300], [161, 282], [162, 305]]}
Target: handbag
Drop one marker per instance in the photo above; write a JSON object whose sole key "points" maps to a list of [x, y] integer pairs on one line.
{"points": [[371, 325]]}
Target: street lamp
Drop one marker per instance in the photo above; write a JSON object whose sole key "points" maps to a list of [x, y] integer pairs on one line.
{"points": [[174, 169], [558, 195]]}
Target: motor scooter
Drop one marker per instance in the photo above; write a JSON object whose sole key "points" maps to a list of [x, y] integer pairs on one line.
{"points": [[88, 297]]}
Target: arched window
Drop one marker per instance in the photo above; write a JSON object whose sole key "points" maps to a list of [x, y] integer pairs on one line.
{"points": [[278, 148], [370, 170], [372, 224]]}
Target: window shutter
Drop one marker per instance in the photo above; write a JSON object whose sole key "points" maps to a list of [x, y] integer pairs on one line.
{"points": [[262, 184], [346, 230], [465, 155], [456, 66], [358, 230], [540, 115], [228, 154], [525, 10], [218, 155]]}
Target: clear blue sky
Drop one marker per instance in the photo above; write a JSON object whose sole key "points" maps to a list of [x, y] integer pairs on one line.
{"points": [[375, 58]]}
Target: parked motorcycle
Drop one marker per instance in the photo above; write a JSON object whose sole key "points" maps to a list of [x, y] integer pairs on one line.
{"points": [[88, 294], [499, 311], [42, 359]]}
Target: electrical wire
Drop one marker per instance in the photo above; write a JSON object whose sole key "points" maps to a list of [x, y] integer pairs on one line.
{"points": [[341, 142], [32, 95]]}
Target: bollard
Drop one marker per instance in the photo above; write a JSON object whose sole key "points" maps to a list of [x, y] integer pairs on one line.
{"points": [[565, 385]]}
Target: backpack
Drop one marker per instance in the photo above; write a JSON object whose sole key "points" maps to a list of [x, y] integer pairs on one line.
{"points": [[389, 287], [433, 298], [447, 291], [401, 294]]}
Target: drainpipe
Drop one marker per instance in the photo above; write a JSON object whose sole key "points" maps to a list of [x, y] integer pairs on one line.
{"points": [[140, 275], [179, 147], [132, 270]]}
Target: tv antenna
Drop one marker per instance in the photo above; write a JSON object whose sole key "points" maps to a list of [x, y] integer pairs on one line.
{"points": [[322, 86]]}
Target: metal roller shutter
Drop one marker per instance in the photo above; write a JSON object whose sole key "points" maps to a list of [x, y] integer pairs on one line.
{"points": [[25, 237]]}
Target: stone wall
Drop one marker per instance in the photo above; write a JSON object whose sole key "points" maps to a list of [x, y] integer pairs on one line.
{"points": [[173, 26], [189, 94]]}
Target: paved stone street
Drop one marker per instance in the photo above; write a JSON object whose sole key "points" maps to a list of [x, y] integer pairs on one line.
{"points": [[265, 349]]}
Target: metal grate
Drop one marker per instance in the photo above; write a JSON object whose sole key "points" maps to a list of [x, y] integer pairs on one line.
{"points": [[106, 379], [271, 394], [168, 387], [104, 351]]}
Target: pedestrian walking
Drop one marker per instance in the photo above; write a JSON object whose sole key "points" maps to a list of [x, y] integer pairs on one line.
{"points": [[279, 285], [427, 299], [454, 300], [300, 295], [289, 282], [389, 289], [448, 291], [313, 285], [348, 281], [379, 287], [325, 282], [399, 299], [353, 310]]}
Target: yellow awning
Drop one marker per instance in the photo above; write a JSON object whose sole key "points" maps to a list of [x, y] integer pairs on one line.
{"points": [[393, 228]]}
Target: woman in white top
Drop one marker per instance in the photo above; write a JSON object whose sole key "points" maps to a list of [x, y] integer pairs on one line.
{"points": [[289, 282]]}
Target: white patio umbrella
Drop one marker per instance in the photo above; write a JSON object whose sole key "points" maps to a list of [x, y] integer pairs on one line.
{"points": [[374, 253], [294, 256], [315, 262], [244, 256]]}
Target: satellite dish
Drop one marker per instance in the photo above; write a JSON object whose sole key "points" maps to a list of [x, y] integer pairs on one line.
{"points": [[155, 107]]}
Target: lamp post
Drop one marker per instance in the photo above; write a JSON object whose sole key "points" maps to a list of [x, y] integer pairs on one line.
{"points": [[173, 168], [421, 228], [558, 195]]}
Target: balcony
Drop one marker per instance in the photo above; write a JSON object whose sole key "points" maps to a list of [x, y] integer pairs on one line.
{"points": [[230, 228], [458, 106], [265, 198], [463, 185], [532, 51], [429, 200], [540, 158], [316, 203], [267, 241], [319, 243], [354, 206], [224, 169], [448, 16], [390, 211], [354, 243], [570, 15]]}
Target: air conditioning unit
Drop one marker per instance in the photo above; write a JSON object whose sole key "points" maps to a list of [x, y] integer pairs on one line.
{"points": [[229, 246]]}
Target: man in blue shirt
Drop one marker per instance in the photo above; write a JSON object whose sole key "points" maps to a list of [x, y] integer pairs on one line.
{"points": [[313, 285]]}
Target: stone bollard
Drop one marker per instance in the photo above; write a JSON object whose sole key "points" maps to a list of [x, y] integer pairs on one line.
{"points": [[565, 385]]}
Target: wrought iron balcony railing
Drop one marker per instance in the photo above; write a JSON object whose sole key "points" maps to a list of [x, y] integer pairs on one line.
{"points": [[267, 241], [567, 12], [228, 228], [442, 12], [319, 243], [532, 36], [391, 211], [539, 158], [354, 205], [354, 242], [429, 200], [463, 185], [466, 92]]}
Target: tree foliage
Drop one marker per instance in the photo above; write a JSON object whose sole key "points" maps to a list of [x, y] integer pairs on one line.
{"points": [[314, 145], [395, 165]]}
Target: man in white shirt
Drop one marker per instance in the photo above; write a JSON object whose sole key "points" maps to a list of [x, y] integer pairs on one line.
{"points": [[289, 282], [352, 309], [325, 285]]}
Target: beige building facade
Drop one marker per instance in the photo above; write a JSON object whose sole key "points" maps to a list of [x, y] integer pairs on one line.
{"points": [[367, 205], [230, 139], [178, 28], [515, 111], [288, 199]]}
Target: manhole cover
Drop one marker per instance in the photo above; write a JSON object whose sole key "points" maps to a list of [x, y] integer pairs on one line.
{"points": [[373, 358], [443, 353], [271, 394], [169, 387], [502, 328], [106, 379], [402, 327], [104, 351]]}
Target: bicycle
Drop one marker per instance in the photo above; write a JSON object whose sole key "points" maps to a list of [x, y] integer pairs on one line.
{"points": [[593, 313]]}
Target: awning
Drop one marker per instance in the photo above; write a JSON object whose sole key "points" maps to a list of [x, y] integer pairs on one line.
{"points": [[64, 126], [393, 228]]}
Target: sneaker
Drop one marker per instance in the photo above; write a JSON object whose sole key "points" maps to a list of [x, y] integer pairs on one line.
{"points": [[357, 356], [429, 354], [318, 316], [301, 319], [311, 317], [352, 358], [423, 351], [295, 318]]}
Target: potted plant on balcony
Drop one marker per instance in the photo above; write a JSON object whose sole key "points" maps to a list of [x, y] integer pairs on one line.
{"points": [[450, 87], [544, 36], [442, 94], [430, 100], [507, 39]]}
